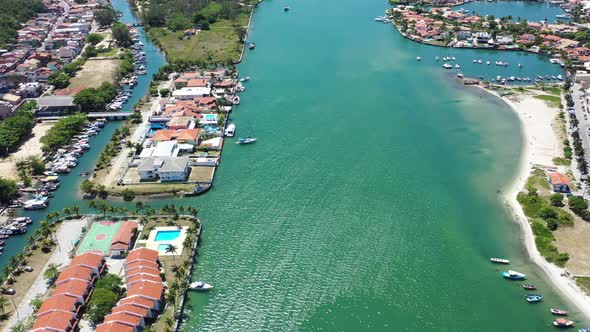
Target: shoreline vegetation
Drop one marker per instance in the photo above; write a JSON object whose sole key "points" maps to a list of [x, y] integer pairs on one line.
{"points": [[198, 32], [531, 200]]}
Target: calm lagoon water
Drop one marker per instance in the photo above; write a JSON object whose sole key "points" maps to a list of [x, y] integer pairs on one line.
{"points": [[369, 200]]}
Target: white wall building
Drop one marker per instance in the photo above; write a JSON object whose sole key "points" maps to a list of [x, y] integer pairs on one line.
{"points": [[166, 169], [191, 93]]}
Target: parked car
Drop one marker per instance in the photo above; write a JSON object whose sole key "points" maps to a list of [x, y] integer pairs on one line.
{"points": [[9, 291], [29, 269]]}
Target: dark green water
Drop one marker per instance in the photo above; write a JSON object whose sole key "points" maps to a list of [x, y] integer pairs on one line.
{"points": [[369, 201]]}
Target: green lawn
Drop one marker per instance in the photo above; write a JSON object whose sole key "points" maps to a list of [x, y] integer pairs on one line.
{"points": [[219, 44], [553, 101]]}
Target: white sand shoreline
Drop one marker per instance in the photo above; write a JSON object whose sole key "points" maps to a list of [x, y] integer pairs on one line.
{"points": [[533, 150]]}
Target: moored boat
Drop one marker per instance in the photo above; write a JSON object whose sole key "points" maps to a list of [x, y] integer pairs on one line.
{"points": [[244, 79], [418, 58], [200, 286], [559, 312], [230, 130], [236, 100], [252, 46], [447, 66], [499, 260], [247, 140], [562, 322], [529, 287], [532, 298], [514, 275]]}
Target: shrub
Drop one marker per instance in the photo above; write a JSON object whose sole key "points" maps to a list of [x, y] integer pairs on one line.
{"points": [[128, 195], [556, 199]]}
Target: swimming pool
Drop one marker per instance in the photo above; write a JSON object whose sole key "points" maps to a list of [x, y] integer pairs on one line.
{"points": [[163, 247], [167, 235], [210, 117]]}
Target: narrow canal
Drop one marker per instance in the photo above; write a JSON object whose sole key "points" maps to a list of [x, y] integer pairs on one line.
{"points": [[369, 200]]}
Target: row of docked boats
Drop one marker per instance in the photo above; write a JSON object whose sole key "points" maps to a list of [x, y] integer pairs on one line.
{"points": [[15, 226], [231, 128], [533, 298]]}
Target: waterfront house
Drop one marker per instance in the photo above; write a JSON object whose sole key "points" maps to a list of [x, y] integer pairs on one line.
{"points": [[504, 39], [123, 240], [162, 148], [463, 35], [179, 122], [559, 182], [141, 271], [183, 136], [166, 169], [212, 144], [535, 25], [133, 309], [191, 93], [527, 39], [149, 290], [56, 105], [481, 37], [198, 83]]}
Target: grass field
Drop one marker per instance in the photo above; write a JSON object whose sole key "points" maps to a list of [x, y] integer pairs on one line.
{"points": [[219, 44], [553, 101], [94, 72]]}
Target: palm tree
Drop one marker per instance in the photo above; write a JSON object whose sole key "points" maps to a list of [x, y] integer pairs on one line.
{"points": [[67, 211], [139, 206], [3, 302], [75, 210], [172, 250]]}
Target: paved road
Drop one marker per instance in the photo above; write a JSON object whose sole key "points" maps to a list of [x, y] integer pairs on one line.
{"points": [[66, 235], [581, 110]]}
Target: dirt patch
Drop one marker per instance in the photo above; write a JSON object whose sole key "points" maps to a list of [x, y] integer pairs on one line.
{"points": [[32, 147], [94, 72], [573, 240]]}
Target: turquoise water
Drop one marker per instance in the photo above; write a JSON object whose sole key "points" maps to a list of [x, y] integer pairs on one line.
{"points": [[167, 235], [163, 247], [369, 201], [529, 10]]}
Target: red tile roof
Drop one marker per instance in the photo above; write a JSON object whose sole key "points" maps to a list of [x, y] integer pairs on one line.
{"points": [[114, 327], [142, 254], [57, 302], [123, 317], [125, 233], [74, 272], [197, 82], [56, 320], [141, 270], [177, 135], [143, 276], [92, 259], [137, 264], [132, 309], [148, 289], [137, 300], [74, 287], [558, 178]]}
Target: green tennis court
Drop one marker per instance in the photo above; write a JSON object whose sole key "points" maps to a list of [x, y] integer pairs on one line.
{"points": [[99, 237]]}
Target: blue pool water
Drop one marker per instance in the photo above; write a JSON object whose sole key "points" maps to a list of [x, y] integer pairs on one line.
{"points": [[163, 247], [210, 116], [167, 235]]}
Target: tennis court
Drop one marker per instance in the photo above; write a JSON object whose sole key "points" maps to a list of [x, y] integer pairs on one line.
{"points": [[99, 237]]}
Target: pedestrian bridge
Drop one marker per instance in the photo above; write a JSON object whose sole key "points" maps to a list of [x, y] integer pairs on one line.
{"points": [[109, 116]]}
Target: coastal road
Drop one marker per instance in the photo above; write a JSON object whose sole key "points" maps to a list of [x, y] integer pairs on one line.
{"points": [[66, 235], [581, 110]]}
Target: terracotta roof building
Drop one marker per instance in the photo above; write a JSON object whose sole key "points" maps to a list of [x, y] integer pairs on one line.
{"points": [[122, 241]]}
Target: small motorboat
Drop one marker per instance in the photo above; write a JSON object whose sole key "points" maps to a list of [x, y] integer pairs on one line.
{"points": [[513, 275], [200, 286], [559, 312], [287, 8], [529, 287], [230, 130], [460, 76], [532, 298], [437, 58], [252, 46], [487, 62], [236, 100], [499, 260], [562, 322], [245, 79], [479, 61], [247, 140], [418, 58], [453, 58], [447, 66], [457, 66]]}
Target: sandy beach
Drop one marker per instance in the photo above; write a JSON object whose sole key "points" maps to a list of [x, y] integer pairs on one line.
{"points": [[541, 145]]}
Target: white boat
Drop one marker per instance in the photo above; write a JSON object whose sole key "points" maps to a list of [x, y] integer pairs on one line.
{"points": [[240, 87], [554, 61], [35, 204], [474, 61], [513, 275], [453, 58], [230, 131], [200, 286], [457, 66], [447, 66], [244, 79], [487, 62], [418, 58], [437, 58], [461, 76], [559, 77], [519, 65], [236, 100], [479, 61], [247, 140], [499, 260]]}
